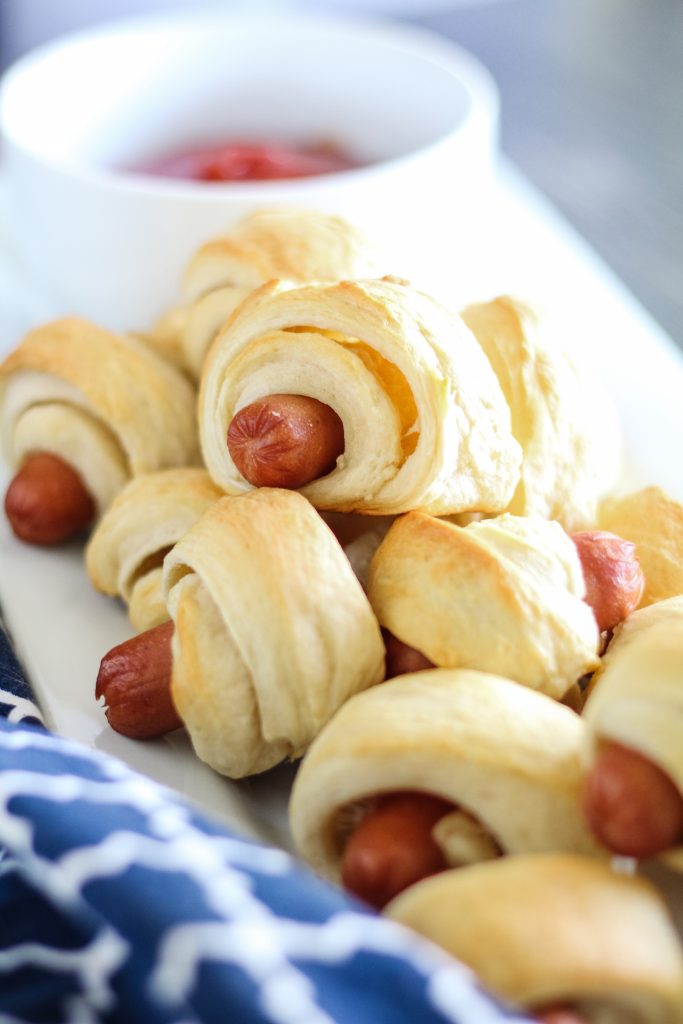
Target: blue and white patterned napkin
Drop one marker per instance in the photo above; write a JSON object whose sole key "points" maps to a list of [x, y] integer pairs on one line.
{"points": [[17, 703], [120, 903]]}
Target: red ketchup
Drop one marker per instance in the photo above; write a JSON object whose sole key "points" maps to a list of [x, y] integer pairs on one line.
{"points": [[249, 161]]}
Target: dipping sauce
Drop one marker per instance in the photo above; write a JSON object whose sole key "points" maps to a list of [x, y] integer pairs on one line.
{"points": [[249, 161]]}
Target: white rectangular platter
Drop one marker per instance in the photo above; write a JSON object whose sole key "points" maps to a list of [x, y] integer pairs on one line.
{"points": [[513, 242]]}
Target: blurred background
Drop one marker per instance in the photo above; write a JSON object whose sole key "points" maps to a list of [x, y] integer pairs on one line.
{"points": [[592, 107]]}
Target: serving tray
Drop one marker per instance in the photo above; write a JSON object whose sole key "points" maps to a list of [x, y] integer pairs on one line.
{"points": [[513, 242]]}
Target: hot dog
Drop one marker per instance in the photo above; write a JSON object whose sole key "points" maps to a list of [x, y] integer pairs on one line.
{"points": [[285, 441], [135, 681], [47, 502], [401, 658], [393, 847], [614, 579], [631, 805], [559, 1015]]}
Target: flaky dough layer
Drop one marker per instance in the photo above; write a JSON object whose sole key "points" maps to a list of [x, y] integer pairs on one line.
{"points": [[104, 403], [150, 515], [504, 595], [510, 757], [637, 695], [425, 422], [556, 928], [653, 521], [285, 243], [562, 417], [273, 631]]}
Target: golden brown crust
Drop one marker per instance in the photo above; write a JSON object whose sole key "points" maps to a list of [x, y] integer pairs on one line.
{"points": [[286, 243], [556, 928], [139, 411], [564, 421], [149, 516], [287, 634], [507, 755], [653, 521], [504, 595], [637, 696]]}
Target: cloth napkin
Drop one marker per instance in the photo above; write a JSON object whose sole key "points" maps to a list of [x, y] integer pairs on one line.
{"points": [[121, 903]]}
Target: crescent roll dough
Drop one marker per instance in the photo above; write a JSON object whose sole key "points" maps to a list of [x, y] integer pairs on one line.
{"points": [[284, 243], [165, 336], [125, 553], [653, 521], [104, 403], [637, 694], [272, 630], [565, 422], [503, 595], [425, 423], [504, 754], [550, 929]]}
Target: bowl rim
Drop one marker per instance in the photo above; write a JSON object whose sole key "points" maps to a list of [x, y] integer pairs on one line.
{"points": [[479, 87]]}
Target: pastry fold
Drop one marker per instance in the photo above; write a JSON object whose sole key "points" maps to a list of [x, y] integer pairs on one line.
{"points": [[504, 595], [562, 417], [425, 422], [549, 929], [104, 403], [637, 694], [653, 521], [272, 630], [509, 757], [285, 243], [125, 553]]}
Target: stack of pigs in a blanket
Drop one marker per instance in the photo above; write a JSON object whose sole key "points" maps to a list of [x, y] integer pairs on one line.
{"points": [[353, 526]]}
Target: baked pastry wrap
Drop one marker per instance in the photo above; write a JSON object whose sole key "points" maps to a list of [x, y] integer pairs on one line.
{"points": [[548, 929], [563, 418], [653, 521], [507, 756], [503, 595], [165, 336], [636, 698], [125, 553], [272, 630], [286, 243], [104, 403], [425, 422]]}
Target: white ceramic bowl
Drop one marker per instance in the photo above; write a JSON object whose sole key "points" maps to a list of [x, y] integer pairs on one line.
{"points": [[418, 112]]}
